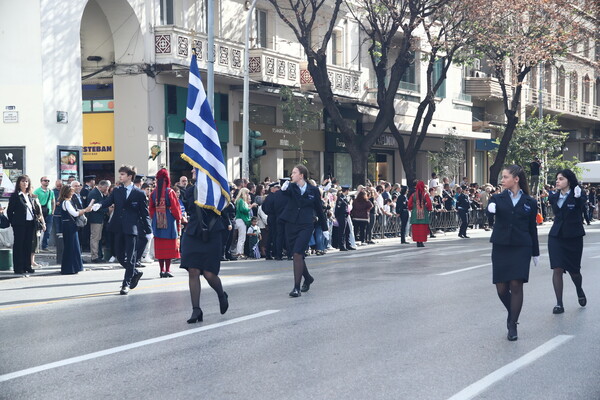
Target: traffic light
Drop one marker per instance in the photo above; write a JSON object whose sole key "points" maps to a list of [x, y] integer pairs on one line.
{"points": [[255, 150]]}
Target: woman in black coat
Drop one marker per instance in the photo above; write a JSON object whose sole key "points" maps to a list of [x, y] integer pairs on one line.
{"points": [[201, 251], [565, 240], [303, 206], [22, 218], [515, 242]]}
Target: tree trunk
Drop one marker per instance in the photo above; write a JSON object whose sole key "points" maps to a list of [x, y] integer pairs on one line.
{"points": [[498, 164], [359, 158]]}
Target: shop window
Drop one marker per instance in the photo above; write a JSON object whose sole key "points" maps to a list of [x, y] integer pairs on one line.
{"points": [[260, 114]]}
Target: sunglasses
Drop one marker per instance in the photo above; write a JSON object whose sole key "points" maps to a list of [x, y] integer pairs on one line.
{"points": [[45, 180]]}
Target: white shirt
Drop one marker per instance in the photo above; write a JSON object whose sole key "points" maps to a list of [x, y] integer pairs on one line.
{"points": [[68, 206], [303, 188], [129, 189], [515, 197], [28, 215], [562, 198]]}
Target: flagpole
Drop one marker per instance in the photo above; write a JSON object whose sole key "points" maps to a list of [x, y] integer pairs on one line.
{"points": [[246, 105], [210, 66]]}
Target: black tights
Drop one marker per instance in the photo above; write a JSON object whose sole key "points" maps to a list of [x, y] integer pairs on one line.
{"points": [[300, 270], [213, 280], [557, 281], [511, 295]]}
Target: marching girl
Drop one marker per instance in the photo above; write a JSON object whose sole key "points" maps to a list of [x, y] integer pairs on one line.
{"points": [[565, 240], [514, 242]]}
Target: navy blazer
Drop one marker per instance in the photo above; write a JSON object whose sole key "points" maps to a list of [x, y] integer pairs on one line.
{"points": [[515, 225], [96, 217], [128, 211], [568, 219], [302, 208], [463, 203]]}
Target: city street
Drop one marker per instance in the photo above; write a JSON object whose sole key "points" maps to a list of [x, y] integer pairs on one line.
{"points": [[387, 321]]}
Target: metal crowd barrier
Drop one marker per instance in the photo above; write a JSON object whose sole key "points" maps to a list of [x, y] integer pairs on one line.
{"points": [[438, 220]]}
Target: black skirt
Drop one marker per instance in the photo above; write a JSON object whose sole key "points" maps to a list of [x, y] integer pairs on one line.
{"points": [[205, 256], [510, 263], [298, 236], [565, 253]]}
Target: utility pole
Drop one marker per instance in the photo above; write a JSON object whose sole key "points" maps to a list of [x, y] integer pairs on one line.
{"points": [[210, 67], [246, 104]]}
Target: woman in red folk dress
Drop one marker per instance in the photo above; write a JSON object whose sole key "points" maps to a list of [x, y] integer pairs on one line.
{"points": [[166, 216], [419, 205]]}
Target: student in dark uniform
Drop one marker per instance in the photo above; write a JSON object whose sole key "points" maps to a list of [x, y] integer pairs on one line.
{"points": [[565, 239], [201, 249], [131, 207], [304, 204], [268, 208], [402, 210], [341, 214], [463, 205], [515, 242]]}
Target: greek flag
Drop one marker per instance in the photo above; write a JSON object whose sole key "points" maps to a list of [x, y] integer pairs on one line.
{"points": [[201, 147]]}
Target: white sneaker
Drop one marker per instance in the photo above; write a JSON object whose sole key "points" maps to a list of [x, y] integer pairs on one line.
{"points": [[112, 259], [147, 260]]}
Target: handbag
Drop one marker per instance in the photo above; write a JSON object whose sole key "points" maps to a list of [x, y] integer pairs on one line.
{"points": [[80, 221]]}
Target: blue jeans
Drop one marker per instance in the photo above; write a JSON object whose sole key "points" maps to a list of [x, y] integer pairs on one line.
{"points": [[49, 220], [319, 238]]}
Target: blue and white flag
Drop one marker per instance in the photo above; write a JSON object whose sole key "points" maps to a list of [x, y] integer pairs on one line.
{"points": [[202, 148]]}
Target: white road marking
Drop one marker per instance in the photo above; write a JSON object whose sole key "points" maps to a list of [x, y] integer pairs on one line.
{"points": [[114, 350], [481, 385], [456, 271]]}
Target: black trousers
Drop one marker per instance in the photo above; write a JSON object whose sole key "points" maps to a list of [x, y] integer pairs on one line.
{"points": [[280, 239], [140, 246], [22, 247], [464, 222], [342, 230], [403, 224], [125, 247], [360, 230], [272, 238]]}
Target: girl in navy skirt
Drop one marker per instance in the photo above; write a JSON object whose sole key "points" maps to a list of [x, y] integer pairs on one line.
{"points": [[565, 240], [303, 209], [515, 242]]}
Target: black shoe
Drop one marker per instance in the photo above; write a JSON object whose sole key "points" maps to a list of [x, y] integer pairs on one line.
{"points": [[351, 248], [162, 275], [224, 259], [278, 258], [370, 242], [196, 316], [432, 236], [135, 280], [512, 331], [306, 285], [460, 235], [558, 309], [269, 258], [224, 303], [404, 242], [30, 271], [124, 290], [295, 293], [581, 298], [343, 249], [466, 237], [168, 275], [289, 258]]}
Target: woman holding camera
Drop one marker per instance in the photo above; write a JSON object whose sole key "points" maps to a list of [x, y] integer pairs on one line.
{"points": [[303, 209], [514, 242], [201, 249], [565, 239]]}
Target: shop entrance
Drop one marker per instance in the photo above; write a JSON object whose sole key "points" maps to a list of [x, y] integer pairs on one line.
{"points": [[380, 166]]}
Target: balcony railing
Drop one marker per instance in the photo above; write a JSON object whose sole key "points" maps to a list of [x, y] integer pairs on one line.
{"points": [[344, 81], [266, 65], [561, 104], [173, 45], [464, 97], [483, 88]]}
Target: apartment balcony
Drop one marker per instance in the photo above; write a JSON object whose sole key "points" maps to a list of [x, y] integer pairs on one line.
{"points": [[561, 105], [483, 88], [266, 65], [173, 45], [344, 81]]}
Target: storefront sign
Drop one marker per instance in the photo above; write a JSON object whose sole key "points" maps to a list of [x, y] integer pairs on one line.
{"points": [[10, 117], [98, 137], [283, 138], [334, 143], [12, 164], [386, 141]]}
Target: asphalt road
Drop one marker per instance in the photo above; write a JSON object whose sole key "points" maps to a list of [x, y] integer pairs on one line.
{"points": [[388, 321]]}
